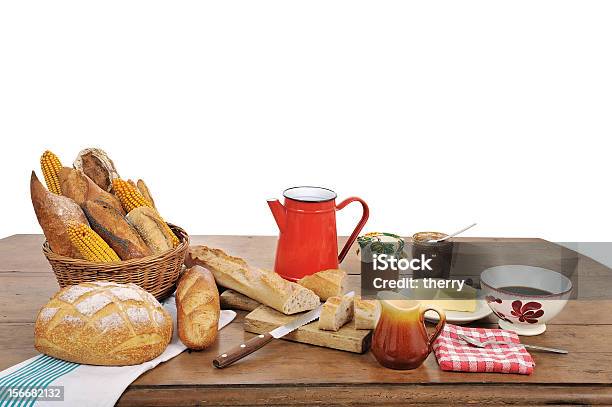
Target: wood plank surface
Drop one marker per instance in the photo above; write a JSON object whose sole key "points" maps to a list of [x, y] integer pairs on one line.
{"points": [[288, 373]]}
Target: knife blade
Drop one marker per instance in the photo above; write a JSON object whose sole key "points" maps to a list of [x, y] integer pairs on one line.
{"points": [[257, 342], [296, 323]]}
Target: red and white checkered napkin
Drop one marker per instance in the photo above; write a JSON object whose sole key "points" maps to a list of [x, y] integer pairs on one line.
{"points": [[455, 355]]}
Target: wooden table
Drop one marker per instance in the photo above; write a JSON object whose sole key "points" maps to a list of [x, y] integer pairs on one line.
{"points": [[287, 373]]}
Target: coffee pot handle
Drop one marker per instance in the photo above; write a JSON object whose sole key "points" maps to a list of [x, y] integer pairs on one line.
{"points": [[360, 225], [439, 325]]}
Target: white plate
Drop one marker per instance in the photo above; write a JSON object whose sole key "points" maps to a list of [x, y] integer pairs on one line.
{"points": [[460, 318]]}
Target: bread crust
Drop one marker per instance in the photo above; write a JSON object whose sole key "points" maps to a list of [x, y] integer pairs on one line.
{"points": [[54, 214], [115, 230], [198, 308], [150, 227], [366, 313], [144, 190], [80, 188], [264, 286], [326, 283], [336, 312], [96, 164], [103, 323]]}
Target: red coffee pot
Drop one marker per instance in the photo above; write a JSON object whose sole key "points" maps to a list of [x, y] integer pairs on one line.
{"points": [[308, 241]]}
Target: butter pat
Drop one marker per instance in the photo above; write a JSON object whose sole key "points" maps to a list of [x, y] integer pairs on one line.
{"points": [[452, 300], [449, 299]]}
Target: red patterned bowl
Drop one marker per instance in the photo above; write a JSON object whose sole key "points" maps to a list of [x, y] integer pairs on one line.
{"points": [[524, 298]]}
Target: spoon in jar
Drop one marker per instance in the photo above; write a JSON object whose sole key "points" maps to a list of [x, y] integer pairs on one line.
{"points": [[452, 234]]}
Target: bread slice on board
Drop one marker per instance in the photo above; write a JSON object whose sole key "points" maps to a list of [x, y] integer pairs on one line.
{"points": [[326, 283], [264, 286], [366, 313], [336, 312]]}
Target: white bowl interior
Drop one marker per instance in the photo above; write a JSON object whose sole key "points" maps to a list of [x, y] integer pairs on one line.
{"points": [[526, 276]]}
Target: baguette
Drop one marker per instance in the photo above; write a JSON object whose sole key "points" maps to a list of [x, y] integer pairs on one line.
{"points": [[326, 283], [115, 230], [151, 228], [55, 213], [197, 308], [366, 313], [144, 190], [264, 286], [336, 312]]}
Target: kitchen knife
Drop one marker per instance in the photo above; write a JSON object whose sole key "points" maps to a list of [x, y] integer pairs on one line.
{"points": [[250, 346]]}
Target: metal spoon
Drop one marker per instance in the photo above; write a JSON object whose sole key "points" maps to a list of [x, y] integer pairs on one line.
{"points": [[478, 344], [452, 234]]}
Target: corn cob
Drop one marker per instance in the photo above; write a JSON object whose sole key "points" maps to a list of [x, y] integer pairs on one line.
{"points": [[51, 166], [90, 244], [131, 198]]}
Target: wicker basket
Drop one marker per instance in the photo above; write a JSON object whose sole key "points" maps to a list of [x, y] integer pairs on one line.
{"points": [[157, 274]]}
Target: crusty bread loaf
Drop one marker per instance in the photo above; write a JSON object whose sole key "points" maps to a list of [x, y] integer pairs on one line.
{"points": [[151, 228], [366, 313], [264, 286], [106, 221], [144, 190], [80, 188], [336, 312], [55, 213], [102, 323], [95, 163], [326, 283], [197, 307]]}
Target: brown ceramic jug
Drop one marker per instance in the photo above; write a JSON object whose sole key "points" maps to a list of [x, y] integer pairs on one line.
{"points": [[400, 340]]}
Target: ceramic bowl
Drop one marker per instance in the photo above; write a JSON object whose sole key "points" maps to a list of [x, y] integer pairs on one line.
{"points": [[525, 314]]}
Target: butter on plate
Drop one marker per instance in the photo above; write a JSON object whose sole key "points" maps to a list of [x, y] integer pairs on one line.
{"points": [[447, 299]]}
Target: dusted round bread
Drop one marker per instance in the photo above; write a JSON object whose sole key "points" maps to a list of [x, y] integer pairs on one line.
{"points": [[103, 323]]}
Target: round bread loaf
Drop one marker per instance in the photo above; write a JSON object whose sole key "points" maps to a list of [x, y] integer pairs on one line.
{"points": [[96, 164], [103, 323]]}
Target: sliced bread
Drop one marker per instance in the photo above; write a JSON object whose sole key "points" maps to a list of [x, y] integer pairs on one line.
{"points": [[367, 313], [336, 312]]}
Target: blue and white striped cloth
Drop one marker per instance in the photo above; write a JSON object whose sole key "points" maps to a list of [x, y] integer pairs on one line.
{"points": [[84, 385]]}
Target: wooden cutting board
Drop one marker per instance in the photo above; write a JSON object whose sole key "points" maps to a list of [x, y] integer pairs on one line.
{"points": [[264, 319]]}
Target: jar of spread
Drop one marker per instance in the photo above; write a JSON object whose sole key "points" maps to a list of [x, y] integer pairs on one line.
{"points": [[440, 253], [374, 244]]}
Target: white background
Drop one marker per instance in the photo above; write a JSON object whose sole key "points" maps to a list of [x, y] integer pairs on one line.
{"points": [[436, 113]]}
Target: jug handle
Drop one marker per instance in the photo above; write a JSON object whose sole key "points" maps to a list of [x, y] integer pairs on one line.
{"points": [[439, 325], [360, 225]]}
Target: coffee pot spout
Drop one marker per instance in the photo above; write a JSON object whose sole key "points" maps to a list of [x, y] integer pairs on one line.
{"points": [[279, 212]]}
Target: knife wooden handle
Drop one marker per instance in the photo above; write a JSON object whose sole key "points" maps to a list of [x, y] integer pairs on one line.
{"points": [[245, 349]]}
